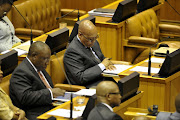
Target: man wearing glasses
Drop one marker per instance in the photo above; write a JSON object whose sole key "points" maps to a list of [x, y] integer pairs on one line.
{"points": [[108, 96], [83, 59]]}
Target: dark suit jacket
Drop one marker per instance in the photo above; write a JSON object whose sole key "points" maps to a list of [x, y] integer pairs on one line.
{"points": [[168, 116], [28, 92], [102, 112], [80, 66]]}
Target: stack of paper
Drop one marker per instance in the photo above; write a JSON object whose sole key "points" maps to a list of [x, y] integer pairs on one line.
{"points": [[86, 92], [102, 12]]}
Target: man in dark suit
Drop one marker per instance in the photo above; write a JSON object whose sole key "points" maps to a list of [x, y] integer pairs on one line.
{"points": [[108, 96], [83, 59], [31, 88], [171, 116]]}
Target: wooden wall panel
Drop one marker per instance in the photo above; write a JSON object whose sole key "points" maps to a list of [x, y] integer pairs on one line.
{"points": [[168, 13], [85, 4]]}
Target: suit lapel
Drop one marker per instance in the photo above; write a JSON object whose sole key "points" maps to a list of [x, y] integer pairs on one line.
{"points": [[86, 51], [36, 74]]}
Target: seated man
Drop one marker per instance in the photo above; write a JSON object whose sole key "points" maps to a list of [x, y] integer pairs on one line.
{"points": [[108, 96], [7, 110], [83, 59], [171, 116], [31, 87], [7, 32]]}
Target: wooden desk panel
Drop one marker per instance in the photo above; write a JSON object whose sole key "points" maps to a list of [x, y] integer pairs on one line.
{"points": [[159, 91]]}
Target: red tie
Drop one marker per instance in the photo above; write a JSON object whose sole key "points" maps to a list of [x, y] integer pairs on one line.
{"points": [[43, 80]]}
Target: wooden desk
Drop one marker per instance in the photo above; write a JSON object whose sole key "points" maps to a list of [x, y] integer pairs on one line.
{"points": [[158, 91], [112, 34], [132, 102], [133, 112]]}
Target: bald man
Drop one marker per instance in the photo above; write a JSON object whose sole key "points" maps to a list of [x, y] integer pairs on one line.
{"points": [[171, 116], [31, 88], [83, 59], [108, 96]]}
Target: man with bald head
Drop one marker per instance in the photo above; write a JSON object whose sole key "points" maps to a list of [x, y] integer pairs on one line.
{"points": [[108, 96], [83, 59], [171, 116], [31, 88]]}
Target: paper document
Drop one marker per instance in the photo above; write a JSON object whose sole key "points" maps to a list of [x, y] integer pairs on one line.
{"points": [[65, 113], [65, 98], [103, 14], [145, 69], [156, 60], [86, 92], [119, 68]]}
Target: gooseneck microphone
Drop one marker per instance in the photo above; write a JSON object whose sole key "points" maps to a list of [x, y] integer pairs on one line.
{"points": [[71, 103], [149, 61], [31, 40], [68, 14]]}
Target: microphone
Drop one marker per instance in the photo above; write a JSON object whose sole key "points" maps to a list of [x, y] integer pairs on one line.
{"points": [[31, 40], [172, 7], [68, 14], [149, 62], [71, 103]]}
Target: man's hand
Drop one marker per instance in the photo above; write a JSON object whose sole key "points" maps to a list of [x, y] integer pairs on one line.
{"points": [[21, 115], [108, 64], [57, 92]]}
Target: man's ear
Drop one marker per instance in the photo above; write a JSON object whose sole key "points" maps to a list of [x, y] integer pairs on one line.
{"points": [[108, 97]]}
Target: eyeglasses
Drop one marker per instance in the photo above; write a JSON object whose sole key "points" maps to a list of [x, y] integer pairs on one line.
{"points": [[91, 39], [115, 93]]}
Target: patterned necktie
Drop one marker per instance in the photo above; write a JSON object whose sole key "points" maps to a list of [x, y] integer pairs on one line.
{"points": [[97, 59], [43, 80]]}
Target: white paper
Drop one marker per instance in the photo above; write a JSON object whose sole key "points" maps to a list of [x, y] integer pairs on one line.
{"points": [[156, 60], [141, 113], [145, 69], [119, 68], [65, 113], [100, 13], [21, 52], [86, 92]]}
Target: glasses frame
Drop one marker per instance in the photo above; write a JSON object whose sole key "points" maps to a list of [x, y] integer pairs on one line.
{"points": [[91, 40]]}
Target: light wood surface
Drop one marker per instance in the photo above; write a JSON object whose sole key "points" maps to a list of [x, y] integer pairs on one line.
{"points": [[158, 91], [133, 112], [132, 102]]}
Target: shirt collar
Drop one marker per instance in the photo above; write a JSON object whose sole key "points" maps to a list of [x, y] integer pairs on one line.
{"points": [[82, 43], [108, 106], [31, 64]]}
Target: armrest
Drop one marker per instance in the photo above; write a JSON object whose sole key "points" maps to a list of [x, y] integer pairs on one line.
{"points": [[74, 14], [169, 28], [25, 31], [142, 40], [68, 87]]}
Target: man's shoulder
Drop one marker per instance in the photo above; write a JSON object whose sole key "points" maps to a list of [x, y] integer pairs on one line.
{"points": [[163, 116]]}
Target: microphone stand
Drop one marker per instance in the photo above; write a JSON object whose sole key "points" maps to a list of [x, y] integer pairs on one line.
{"points": [[71, 103], [68, 14], [31, 40]]}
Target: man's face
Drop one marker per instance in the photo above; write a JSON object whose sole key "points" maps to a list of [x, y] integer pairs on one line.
{"points": [[4, 9], [41, 60], [115, 98], [88, 40]]}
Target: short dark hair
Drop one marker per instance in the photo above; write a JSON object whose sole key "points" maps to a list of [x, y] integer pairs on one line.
{"points": [[7, 1]]}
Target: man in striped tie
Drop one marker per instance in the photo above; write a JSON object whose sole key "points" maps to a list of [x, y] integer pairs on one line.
{"points": [[31, 88]]}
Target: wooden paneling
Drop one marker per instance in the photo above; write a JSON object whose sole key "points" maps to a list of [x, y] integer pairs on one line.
{"points": [[85, 4], [168, 13]]}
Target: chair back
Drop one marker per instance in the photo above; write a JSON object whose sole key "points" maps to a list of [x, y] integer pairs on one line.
{"points": [[144, 24], [40, 14]]}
